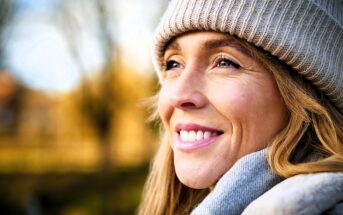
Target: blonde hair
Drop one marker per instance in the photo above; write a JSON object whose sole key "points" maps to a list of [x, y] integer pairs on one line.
{"points": [[312, 141]]}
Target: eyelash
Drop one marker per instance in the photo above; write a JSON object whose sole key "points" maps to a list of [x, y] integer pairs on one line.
{"points": [[230, 62], [170, 64]]}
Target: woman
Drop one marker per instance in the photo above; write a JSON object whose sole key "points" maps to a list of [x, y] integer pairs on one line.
{"points": [[251, 105]]}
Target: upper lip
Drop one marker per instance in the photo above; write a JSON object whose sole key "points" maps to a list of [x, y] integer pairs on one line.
{"points": [[194, 127]]}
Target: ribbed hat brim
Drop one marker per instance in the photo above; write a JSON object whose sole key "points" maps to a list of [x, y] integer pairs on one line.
{"points": [[305, 34]]}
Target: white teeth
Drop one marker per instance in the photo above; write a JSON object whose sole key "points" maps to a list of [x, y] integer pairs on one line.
{"points": [[207, 134], [200, 135], [184, 135], [191, 136]]}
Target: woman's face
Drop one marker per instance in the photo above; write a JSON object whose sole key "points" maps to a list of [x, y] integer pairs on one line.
{"points": [[217, 104]]}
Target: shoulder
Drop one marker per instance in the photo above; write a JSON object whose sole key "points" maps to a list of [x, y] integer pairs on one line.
{"points": [[304, 194]]}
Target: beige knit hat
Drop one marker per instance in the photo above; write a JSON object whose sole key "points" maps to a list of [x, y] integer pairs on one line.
{"points": [[306, 34]]}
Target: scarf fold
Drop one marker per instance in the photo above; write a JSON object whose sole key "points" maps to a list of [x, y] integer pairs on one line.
{"points": [[305, 194], [248, 179], [251, 188]]}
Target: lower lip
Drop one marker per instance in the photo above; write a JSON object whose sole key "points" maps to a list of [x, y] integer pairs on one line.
{"points": [[193, 146]]}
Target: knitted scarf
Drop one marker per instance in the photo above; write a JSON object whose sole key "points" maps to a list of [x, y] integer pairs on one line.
{"points": [[251, 178]]}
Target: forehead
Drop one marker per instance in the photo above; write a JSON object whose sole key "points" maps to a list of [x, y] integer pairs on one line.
{"points": [[208, 40]]}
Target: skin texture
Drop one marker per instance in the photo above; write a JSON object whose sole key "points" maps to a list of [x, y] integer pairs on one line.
{"points": [[211, 80]]}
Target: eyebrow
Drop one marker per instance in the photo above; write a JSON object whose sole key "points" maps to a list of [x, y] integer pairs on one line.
{"points": [[214, 44], [173, 45]]}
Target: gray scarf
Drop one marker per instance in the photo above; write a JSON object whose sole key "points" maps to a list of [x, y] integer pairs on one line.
{"points": [[249, 188]]}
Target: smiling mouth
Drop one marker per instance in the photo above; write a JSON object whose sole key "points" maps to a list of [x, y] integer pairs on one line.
{"points": [[192, 137], [193, 132], [197, 135]]}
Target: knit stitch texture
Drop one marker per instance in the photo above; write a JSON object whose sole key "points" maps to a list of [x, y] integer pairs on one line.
{"points": [[306, 194], [305, 34], [248, 179], [251, 188]]}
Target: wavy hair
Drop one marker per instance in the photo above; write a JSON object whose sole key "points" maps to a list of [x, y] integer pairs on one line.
{"points": [[311, 142]]}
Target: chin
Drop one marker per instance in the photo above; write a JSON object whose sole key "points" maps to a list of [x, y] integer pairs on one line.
{"points": [[194, 182]]}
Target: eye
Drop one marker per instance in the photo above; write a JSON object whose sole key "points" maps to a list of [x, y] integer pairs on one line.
{"points": [[172, 64], [225, 62]]}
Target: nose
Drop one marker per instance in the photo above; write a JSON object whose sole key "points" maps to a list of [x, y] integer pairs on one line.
{"points": [[187, 92]]}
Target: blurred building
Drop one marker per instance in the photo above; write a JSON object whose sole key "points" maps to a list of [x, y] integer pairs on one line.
{"points": [[10, 102]]}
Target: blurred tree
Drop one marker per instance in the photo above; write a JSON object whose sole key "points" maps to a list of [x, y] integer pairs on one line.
{"points": [[6, 13], [99, 104], [10, 89]]}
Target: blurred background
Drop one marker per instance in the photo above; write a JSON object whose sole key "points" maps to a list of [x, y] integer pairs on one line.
{"points": [[73, 139]]}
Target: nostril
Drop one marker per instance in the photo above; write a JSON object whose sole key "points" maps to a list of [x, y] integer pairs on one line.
{"points": [[187, 100], [187, 104]]}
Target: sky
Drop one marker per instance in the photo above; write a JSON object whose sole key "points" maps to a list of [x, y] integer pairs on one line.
{"points": [[38, 55]]}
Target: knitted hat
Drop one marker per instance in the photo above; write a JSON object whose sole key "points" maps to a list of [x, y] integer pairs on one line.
{"points": [[305, 34]]}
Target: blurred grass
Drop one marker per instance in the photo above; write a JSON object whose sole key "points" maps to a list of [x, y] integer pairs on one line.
{"points": [[72, 193]]}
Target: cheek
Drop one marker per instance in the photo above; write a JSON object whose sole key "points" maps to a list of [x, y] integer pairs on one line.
{"points": [[256, 112], [248, 102], [232, 102], [163, 107]]}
